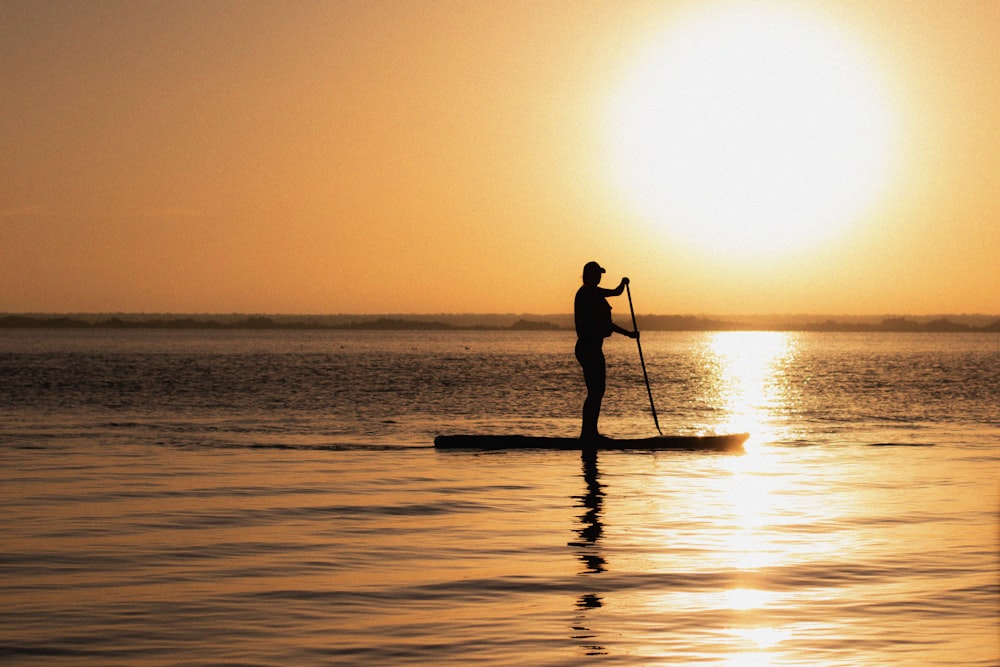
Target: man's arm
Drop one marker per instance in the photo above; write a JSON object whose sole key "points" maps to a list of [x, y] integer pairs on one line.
{"points": [[616, 291], [624, 332]]}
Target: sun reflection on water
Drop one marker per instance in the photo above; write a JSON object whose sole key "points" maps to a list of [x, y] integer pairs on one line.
{"points": [[747, 370], [760, 639], [747, 374], [742, 599]]}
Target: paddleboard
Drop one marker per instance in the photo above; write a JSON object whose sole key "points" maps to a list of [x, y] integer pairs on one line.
{"points": [[732, 442]]}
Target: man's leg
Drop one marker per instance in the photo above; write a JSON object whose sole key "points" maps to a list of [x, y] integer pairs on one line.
{"points": [[595, 375]]}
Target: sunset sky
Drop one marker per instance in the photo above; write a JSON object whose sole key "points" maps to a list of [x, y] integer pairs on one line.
{"points": [[436, 157]]}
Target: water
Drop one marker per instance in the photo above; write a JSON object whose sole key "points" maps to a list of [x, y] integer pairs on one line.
{"points": [[271, 498]]}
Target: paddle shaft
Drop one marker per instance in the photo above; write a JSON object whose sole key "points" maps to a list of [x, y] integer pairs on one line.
{"points": [[635, 327]]}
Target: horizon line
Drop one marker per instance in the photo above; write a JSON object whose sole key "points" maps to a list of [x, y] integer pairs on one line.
{"points": [[235, 313]]}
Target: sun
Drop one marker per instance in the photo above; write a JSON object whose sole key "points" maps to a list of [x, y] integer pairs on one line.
{"points": [[752, 130]]}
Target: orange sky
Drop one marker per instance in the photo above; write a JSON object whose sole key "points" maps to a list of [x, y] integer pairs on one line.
{"points": [[413, 157]]}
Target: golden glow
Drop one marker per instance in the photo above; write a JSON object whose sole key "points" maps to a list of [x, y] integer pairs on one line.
{"points": [[752, 130], [461, 157]]}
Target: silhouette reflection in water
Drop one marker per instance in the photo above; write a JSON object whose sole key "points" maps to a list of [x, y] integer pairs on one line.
{"points": [[592, 530], [587, 545]]}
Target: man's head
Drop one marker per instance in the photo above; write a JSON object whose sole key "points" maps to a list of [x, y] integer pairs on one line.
{"points": [[592, 273]]}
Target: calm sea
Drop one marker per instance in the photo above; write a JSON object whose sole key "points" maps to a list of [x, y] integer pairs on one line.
{"points": [[273, 498]]}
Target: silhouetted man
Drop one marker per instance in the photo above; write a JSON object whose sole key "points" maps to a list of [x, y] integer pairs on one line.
{"points": [[592, 314]]}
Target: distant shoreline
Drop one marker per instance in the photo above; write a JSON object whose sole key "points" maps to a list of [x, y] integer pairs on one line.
{"points": [[929, 324]]}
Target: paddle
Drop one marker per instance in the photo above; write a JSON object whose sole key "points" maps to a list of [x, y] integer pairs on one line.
{"points": [[642, 361]]}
